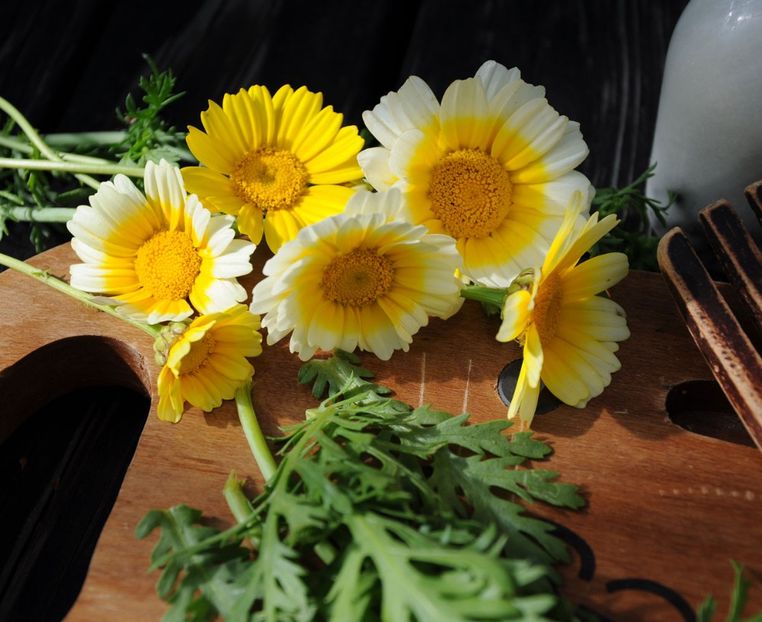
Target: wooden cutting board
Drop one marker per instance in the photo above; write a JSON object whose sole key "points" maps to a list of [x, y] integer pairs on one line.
{"points": [[667, 509]]}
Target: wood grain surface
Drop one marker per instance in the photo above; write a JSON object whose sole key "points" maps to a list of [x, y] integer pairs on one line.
{"points": [[667, 508]]}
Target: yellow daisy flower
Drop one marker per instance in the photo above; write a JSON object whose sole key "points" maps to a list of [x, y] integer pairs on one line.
{"points": [[363, 279], [277, 162], [207, 364], [156, 252], [569, 333], [492, 166]]}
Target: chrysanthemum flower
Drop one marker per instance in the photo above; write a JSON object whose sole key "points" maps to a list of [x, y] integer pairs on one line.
{"points": [[157, 252], [277, 162], [207, 363], [492, 166], [362, 279], [569, 334]]}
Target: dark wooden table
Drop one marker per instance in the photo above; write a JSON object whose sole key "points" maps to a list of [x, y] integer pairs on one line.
{"points": [[69, 64]]}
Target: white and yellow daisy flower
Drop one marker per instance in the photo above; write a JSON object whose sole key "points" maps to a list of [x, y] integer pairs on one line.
{"points": [[157, 253], [207, 363], [278, 162], [492, 166], [569, 333], [362, 279]]}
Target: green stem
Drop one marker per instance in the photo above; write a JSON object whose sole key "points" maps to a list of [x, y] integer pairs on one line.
{"points": [[107, 139], [39, 214], [237, 500], [253, 432], [490, 295], [94, 139], [292, 456], [43, 277], [37, 141], [18, 145], [71, 167]]}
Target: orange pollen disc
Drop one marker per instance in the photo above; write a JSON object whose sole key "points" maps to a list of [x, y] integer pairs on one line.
{"points": [[358, 278], [547, 308], [167, 265], [470, 192], [270, 179]]}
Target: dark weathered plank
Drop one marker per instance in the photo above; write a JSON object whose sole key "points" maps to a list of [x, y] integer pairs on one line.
{"points": [[754, 197], [734, 361], [738, 253]]}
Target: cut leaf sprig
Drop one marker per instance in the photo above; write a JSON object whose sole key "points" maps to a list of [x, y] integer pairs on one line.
{"points": [[375, 506]]}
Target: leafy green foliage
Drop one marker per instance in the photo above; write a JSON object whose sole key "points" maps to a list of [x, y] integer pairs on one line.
{"points": [[217, 569], [28, 188], [738, 598], [377, 511], [340, 372], [633, 237], [148, 136]]}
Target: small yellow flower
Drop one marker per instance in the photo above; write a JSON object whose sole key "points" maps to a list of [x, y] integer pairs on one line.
{"points": [[492, 166], [363, 278], [207, 363], [156, 252], [277, 162], [569, 334]]}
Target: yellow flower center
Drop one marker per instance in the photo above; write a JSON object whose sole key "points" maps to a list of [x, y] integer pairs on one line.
{"points": [[270, 179], [358, 278], [470, 193], [167, 265], [547, 308], [198, 355]]}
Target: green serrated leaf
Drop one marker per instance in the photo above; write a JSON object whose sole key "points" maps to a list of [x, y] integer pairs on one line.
{"points": [[168, 579], [522, 444], [342, 373], [481, 438], [148, 523], [377, 511], [351, 593], [476, 480], [706, 610], [738, 600]]}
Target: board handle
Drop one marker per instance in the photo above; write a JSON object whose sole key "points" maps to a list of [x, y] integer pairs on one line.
{"points": [[732, 356]]}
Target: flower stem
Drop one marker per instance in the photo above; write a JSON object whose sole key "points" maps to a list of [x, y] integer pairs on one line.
{"points": [[489, 295], [72, 167], [253, 432], [94, 139], [236, 499], [39, 214], [37, 141], [43, 277], [18, 145]]}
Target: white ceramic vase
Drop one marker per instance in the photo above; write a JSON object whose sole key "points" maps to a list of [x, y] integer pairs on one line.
{"points": [[708, 139]]}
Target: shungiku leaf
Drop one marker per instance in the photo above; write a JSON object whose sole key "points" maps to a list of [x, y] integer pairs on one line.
{"points": [[377, 511]]}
